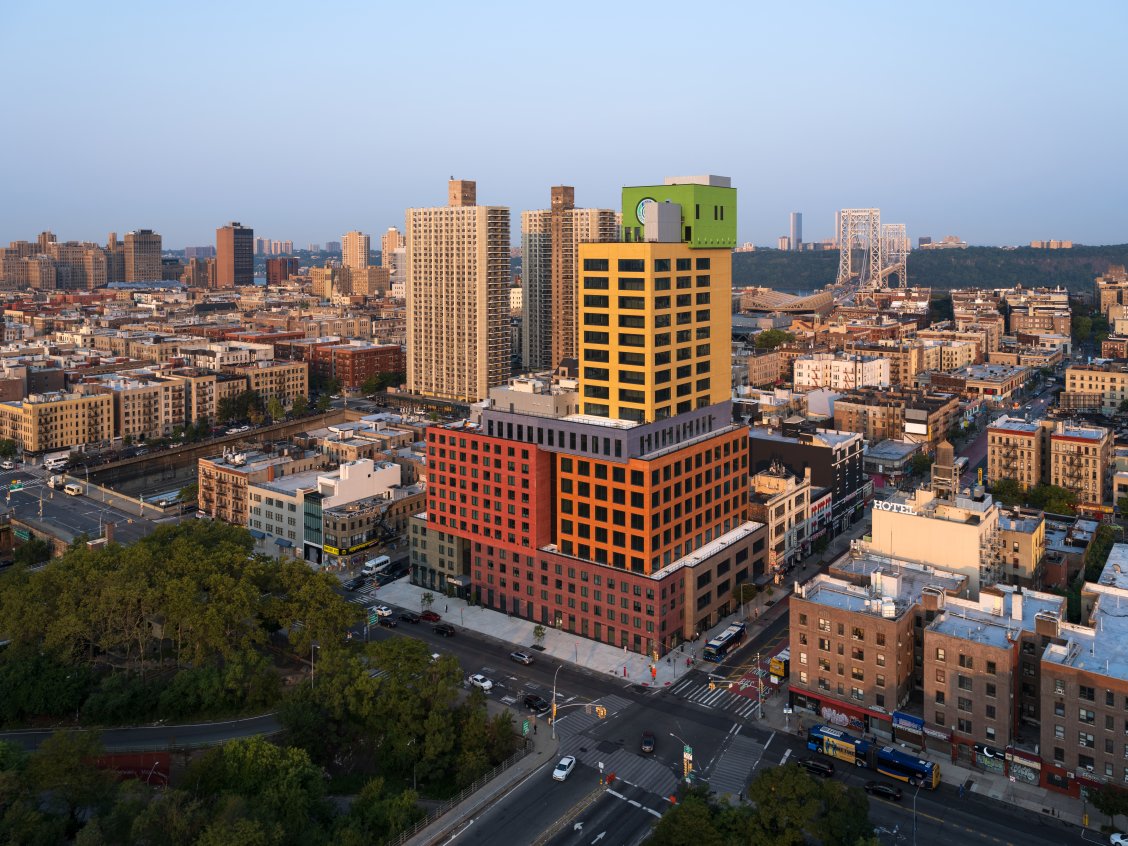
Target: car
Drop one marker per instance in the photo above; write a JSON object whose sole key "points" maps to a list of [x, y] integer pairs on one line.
{"points": [[382, 610], [354, 584], [885, 791], [521, 657], [443, 630], [816, 767], [388, 622], [481, 682], [429, 616], [564, 768], [409, 617], [535, 703], [7, 464], [1117, 839], [647, 741]]}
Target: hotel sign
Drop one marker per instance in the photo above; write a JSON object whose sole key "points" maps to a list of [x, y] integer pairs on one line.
{"points": [[896, 507]]}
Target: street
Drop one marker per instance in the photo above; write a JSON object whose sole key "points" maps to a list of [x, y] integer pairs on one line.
{"points": [[65, 516]]}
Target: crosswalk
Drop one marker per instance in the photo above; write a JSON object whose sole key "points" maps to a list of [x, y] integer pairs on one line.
{"points": [[579, 720], [721, 698], [732, 769], [363, 596]]}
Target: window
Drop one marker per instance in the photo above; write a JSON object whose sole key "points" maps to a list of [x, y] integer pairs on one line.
{"points": [[1089, 694], [964, 682], [966, 662], [990, 668], [940, 700], [1087, 740], [1059, 689], [1059, 733], [965, 726], [963, 703], [1086, 716], [824, 625], [939, 654]]}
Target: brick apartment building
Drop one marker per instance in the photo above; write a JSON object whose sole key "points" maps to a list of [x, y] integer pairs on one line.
{"points": [[916, 416]]}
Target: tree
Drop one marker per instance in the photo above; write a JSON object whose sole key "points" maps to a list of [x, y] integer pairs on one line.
{"points": [[769, 339], [1123, 406], [691, 822], [426, 600], [1110, 801], [63, 767], [323, 403], [788, 803], [275, 409], [300, 406], [538, 635], [920, 464], [1082, 327], [1122, 505], [32, 552], [190, 492], [7, 448], [845, 819]]}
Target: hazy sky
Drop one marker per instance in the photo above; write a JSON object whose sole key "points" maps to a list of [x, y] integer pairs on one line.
{"points": [[998, 122]]}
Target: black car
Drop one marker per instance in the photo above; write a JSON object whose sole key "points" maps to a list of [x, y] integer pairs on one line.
{"points": [[816, 767], [443, 629], [647, 741], [388, 622], [354, 584], [409, 616], [885, 791], [536, 703]]}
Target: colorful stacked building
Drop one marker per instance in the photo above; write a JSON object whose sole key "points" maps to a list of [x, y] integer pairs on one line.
{"points": [[627, 523]]}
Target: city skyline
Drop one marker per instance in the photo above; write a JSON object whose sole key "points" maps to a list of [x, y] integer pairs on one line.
{"points": [[1001, 130]]}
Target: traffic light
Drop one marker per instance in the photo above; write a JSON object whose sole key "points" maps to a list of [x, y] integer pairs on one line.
{"points": [[554, 712], [712, 685], [601, 712]]}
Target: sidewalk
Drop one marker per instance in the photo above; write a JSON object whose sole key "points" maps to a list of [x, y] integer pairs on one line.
{"points": [[516, 633], [542, 749]]}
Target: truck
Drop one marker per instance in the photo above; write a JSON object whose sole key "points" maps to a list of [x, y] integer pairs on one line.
{"points": [[56, 461], [780, 666], [56, 481]]}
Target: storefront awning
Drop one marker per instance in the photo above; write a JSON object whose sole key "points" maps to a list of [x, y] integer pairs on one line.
{"points": [[255, 533], [282, 542]]}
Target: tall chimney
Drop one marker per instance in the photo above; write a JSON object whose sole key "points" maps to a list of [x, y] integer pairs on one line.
{"points": [[1016, 606]]}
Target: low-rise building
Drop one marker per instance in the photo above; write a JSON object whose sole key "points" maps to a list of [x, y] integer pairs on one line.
{"points": [[899, 414], [353, 532], [1103, 385], [286, 380], [144, 405], [995, 383], [223, 479], [782, 502], [840, 372]]}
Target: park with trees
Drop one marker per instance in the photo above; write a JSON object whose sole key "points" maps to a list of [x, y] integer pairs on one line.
{"points": [[191, 624]]}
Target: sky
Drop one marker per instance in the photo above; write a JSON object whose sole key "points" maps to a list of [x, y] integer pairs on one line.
{"points": [[998, 122]]}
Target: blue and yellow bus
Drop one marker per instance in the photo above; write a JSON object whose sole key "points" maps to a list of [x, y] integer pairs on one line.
{"points": [[828, 740], [722, 644], [836, 743], [903, 767]]}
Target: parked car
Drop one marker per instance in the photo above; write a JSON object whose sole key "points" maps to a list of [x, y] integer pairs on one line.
{"points": [[409, 616], [647, 744], [1118, 839], [521, 657], [816, 767], [429, 617], [885, 791], [481, 682], [536, 703], [443, 629], [7, 464], [564, 768], [388, 622], [382, 610]]}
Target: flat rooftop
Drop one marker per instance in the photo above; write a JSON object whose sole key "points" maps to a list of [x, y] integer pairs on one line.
{"points": [[1015, 424], [996, 620], [1115, 572], [892, 450], [1102, 649]]}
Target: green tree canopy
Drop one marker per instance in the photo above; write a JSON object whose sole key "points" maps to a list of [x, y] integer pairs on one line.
{"points": [[769, 339]]}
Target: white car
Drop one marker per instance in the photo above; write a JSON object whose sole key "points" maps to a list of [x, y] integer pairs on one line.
{"points": [[382, 611], [7, 464], [480, 681], [1118, 840], [564, 768]]}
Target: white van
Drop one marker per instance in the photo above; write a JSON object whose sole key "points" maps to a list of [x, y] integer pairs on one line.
{"points": [[73, 489], [376, 565], [55, 463]]}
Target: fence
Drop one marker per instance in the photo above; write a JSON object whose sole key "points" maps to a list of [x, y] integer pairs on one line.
{"points": [[462, 796]]}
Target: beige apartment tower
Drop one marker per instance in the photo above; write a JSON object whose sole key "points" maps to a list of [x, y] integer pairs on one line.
{"points": [[550, 240], [458, 276], [390, 241], [354, 250], [142, 255]]}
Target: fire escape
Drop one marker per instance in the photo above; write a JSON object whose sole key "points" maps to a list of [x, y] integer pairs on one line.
{"points": [[1072, 470], [991, 557]]}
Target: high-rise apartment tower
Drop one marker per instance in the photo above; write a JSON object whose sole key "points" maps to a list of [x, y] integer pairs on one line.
{"points": [[142, 255], [458, 297], [354, 250], [550, 239], [234, 255]]}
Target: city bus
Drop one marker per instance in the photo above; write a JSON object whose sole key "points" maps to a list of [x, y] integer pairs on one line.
{"points": [[896, 764], [836, 743], [725, 642], [780, 666]]}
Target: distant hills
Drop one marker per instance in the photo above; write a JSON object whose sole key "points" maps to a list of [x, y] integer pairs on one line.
{"points": [[981, 267]]}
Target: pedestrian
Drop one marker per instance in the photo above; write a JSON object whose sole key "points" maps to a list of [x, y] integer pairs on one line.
{"points": [[448, 606], [534, 726]]}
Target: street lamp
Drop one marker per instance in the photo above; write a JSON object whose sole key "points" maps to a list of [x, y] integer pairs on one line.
{"points": [[687, 756], [917, 793], [554, 675]]}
